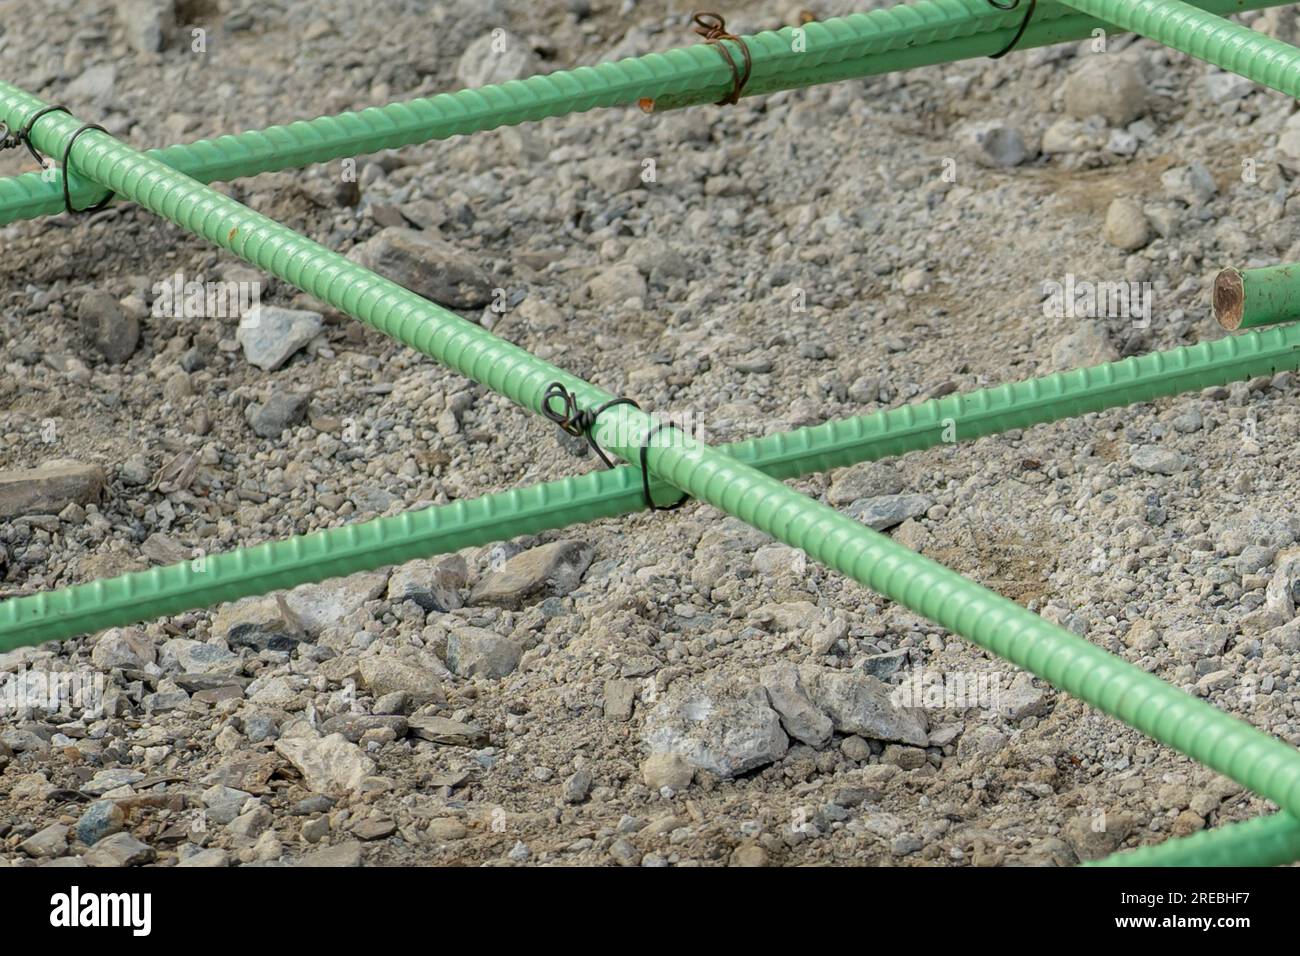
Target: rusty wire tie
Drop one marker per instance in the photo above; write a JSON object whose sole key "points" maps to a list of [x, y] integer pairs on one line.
{"points": [[713, 28]]}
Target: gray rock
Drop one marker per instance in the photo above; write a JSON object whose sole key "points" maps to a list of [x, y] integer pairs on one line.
{"points": [[373, 499], [211, 857], [800, 718], [434, 585], [329, 765], [1282, 595], [886, 665], [250, 824], [1067, 136], [94, 86], [165, 700], [433, 268], [577, 787], [658, 261], [496, 57], [554, 569], [666, 770], [1189, 421], [374, 829], [1097, 834], [111, 779], [872, 479], [1107, 86], [383, 675], [905, 844], [719, 724], [1227, 87], [195, 657], [1254, 559], [887, 511], [981, 741], [452, 733], [114, 332], [394, 703], [856, 748], [1086, 345], [1126, 226], [355, 726], [160, 549], [318, 606], [616, 285], [16, 740], [126, 647], [1193, 184], [223, 804], [148, 24], [1288, 144], [620, 698], [1023, 699], [992, 143], [119, 850], [259, 727], [48, 843], [100, 819], [282, 410], [476, 652], [49, 488], [446, 830], [345, 854], [718, 549], [136, 471], [1198, 643], [857, 703], [612, 175], [1157, 460], [271, 335], [263, 623]]}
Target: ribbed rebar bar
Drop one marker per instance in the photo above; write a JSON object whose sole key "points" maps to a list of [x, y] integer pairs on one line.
{"points": [[1228, 45], [365, 546], [898, 38], [1227, 744], [1265, 841]]}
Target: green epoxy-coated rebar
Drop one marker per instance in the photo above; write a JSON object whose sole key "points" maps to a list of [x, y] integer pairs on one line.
{"points": [[1228, 45], [882, 41], [365, 546], [1227, 744], [1265, 841], [1249, 298], [1042, 31]]}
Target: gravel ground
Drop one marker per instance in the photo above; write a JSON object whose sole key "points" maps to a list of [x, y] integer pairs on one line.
{"points": [[668, 689]]}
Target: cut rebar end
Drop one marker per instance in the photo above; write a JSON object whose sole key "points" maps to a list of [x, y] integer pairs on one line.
{"points": [[1229, 299]]}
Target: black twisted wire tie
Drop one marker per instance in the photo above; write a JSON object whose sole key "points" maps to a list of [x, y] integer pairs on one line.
{"points": [[1024, 24], [10, 140], [67, 155], [579, 422]]}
